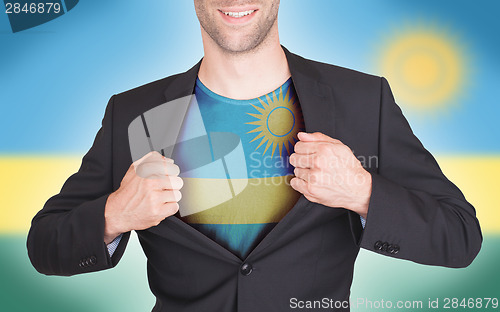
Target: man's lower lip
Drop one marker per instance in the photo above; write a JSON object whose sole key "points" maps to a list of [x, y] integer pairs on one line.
{"points": [[237, 20]]}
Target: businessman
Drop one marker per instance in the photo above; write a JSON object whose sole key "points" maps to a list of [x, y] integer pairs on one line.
{"points": [[296, 232]]}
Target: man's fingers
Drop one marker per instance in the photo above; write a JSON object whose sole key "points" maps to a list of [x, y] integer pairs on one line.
{"points": [[301, 173], [298, 184], [313, 147], [157, 169], [172, 169], [171, 196], [302, 161], [152, 156], [302, 147], [171, 183], [316, 137], [301, 186], [310, 176], [171, 208]]}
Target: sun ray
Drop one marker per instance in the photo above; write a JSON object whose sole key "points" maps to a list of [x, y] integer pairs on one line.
{"points": [[274, 148], [264, 140], [277, 122], [260, 135], [287, 144], [260, 110], [254, 115], [269, 143], [254, 130]]}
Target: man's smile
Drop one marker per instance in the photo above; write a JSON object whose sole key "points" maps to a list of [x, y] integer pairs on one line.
{"points": [[237, 15]]}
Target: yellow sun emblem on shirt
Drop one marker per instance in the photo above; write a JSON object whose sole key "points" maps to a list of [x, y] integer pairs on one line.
{"points": [[278, 122]]}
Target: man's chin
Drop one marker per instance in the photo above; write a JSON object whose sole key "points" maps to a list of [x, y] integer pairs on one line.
{"points": [[239, 45]]}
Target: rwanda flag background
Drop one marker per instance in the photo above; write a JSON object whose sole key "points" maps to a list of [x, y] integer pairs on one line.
{"points": [[440, 57]]}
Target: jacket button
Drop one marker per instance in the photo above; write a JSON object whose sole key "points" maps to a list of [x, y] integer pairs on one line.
{"points": [[246, 269], [82, 263], [93, 260], [384, 246], [378, 245], [392, 249], [396, 249]]}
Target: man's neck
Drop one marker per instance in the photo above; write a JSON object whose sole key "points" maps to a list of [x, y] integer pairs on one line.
{"points": [[244, 75]]}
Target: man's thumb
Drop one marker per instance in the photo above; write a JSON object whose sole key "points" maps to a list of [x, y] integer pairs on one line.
{"points": [[315, 136]]}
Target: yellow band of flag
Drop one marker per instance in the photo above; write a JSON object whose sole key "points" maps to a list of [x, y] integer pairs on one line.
{"points": [[261, 200], [27, 182]]}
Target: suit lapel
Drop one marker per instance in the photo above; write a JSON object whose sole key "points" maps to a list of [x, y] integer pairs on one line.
{"points": [[318, 108], [183, 84], [316, 99]]}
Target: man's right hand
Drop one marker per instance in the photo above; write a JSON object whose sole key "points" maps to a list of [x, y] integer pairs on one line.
{"points": [[148, 193]]}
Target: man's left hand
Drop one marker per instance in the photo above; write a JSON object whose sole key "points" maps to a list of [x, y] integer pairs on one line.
{"points": [[328, 173]]}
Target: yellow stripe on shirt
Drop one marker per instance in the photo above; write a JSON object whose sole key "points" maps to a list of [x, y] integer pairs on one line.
{"points": [[28, 181], [237, 201]]}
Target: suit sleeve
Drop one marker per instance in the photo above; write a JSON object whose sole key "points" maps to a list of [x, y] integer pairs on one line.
{"points": [[67, 236], [415, 212]]}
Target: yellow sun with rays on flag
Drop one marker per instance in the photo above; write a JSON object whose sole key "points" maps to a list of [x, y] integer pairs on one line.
{"points": [[425, 66], [278, 122]]}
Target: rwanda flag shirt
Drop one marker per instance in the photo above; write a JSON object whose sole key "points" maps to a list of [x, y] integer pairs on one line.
{"points": [[233, 158]]}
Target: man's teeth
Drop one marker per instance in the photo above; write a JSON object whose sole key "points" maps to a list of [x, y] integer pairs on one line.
{"points": [[239, 14]]}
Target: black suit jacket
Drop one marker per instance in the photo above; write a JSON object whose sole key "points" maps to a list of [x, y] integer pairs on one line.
{"points": [[415, 212]]}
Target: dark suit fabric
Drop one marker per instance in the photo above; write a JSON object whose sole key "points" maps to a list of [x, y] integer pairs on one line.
{"points": [[310, 254]]}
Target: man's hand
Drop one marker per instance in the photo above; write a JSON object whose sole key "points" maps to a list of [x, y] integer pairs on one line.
{"points": [[148, 193], [328, 173]]}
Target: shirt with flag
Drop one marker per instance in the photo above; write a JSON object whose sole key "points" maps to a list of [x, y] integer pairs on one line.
{"points": [[233, 157]]}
